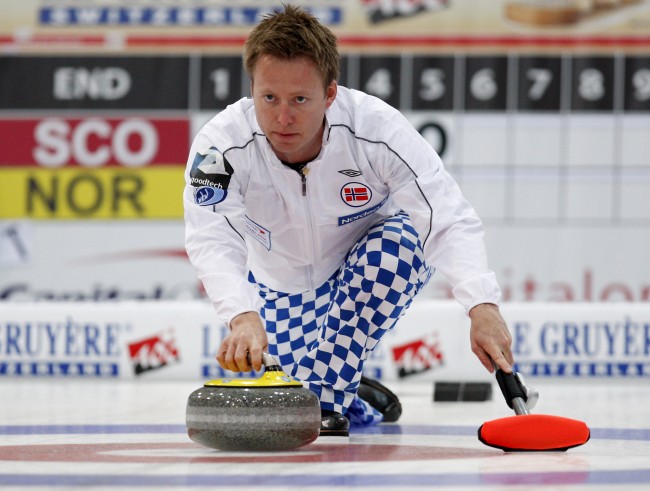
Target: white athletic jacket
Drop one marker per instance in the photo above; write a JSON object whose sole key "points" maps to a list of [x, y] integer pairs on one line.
{"points": [[244, 209]]}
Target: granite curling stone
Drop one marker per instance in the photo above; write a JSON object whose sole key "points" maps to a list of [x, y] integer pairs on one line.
{"points": [[273, 412]]}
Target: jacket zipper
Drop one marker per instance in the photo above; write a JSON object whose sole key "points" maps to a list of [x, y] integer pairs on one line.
{"points": [[303, 180]]}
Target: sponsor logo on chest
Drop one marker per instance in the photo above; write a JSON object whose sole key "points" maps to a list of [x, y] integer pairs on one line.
{"points": [[356, 194]]}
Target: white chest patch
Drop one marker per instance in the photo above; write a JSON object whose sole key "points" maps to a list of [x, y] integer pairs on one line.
{"points": [[259, 233]]}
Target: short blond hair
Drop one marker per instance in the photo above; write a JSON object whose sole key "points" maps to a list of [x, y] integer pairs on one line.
{"points": [[294, 33]]}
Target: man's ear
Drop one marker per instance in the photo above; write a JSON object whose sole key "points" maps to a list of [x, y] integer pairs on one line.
{"points": [[330, 93]]}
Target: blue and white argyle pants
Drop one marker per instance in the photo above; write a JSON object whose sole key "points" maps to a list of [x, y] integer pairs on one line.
{"points": [[323, 337]]}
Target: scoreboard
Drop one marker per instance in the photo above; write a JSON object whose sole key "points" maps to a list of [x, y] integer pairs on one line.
{"points": [[530, 137], [472, 83]]}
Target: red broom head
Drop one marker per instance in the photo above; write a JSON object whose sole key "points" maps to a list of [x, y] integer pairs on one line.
{"points": [[534, 433]]}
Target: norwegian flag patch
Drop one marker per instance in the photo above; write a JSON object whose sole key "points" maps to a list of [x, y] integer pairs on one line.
{"points": [[356, 194]]}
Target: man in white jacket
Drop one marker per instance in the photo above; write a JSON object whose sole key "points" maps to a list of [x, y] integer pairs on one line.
{"points": [[315, 213]]}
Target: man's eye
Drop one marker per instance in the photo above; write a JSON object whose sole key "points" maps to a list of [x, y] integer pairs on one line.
{"points": [[300, 99], [268, 97]]}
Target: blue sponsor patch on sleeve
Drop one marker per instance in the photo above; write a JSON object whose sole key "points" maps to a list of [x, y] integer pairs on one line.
{"points": [[207, 195]]}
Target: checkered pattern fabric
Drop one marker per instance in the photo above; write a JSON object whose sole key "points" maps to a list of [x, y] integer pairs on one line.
{"points": [[323, 337]]}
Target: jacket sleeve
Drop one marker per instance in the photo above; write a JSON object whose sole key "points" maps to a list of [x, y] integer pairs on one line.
{"points": [[214, 233], [451, 232]]}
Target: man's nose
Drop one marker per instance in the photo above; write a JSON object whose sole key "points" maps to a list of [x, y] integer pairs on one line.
{"points": [[284, 116]]}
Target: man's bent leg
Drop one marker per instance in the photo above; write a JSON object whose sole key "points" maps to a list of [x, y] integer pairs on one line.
{"points": [[375, 286], [292, 320]]}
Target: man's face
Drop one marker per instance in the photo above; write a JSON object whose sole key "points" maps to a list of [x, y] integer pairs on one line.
{"points": [[290, 104]]}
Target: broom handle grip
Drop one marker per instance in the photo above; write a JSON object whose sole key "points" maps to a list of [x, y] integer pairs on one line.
{"points": [[512, 391]]}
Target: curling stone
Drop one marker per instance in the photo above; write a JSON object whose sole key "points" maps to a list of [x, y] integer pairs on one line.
{"points": [[273, 412]]}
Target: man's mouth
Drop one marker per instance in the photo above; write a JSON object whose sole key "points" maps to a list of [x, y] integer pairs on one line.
{"points": [[285, 136]]}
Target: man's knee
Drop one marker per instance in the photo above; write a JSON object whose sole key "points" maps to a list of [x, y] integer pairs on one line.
{"points": [[394, 252]]}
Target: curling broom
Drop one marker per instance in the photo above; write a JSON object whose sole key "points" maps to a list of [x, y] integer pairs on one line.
{"points": [[527, 432]]}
